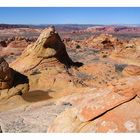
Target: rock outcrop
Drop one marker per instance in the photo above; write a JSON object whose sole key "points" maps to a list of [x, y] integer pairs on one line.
{"points": [[122, 119], [15, 47], [6, 75], [3, 43], [105, 110], [30, 118], [97, 74], [45, 59], [103, 41], [128, 52], [11, 82], [12, 47], [89, 108], [103, 95], [47, 51], [131, 70]]}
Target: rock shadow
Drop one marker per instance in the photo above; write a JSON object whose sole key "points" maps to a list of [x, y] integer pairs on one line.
{"points": [[37, 95], [19, 78]]}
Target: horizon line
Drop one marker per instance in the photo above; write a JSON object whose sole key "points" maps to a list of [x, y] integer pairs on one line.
{"points": [[69, 24]]}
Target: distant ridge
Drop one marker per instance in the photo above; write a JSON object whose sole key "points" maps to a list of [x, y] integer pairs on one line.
{"points": [[73, 26]]}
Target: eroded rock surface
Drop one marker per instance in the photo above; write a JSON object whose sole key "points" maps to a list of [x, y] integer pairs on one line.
{"points": [[45, 59], [12, 84], [90, 106], [30, 118], [47, 51], [131, 70], [101, 94], [6, 75]]}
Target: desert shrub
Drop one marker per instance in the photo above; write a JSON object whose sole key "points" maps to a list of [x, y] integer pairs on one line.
{"points": [[120, 67], [36, 71], [104, 56], [78, 46]]}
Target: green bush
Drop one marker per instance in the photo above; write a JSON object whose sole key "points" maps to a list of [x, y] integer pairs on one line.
{"points": [[78, 46]]}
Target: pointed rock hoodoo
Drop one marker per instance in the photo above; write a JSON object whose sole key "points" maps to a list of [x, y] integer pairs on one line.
{"points": [[47, 51]]}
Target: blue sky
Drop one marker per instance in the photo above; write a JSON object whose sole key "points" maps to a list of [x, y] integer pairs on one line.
{"points": [[69, 15]]}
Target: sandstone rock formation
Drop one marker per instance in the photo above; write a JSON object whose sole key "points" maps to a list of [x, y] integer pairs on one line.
{"points": [[97, 73], [3, 43], [30, 118], [12, 47], [103, 41], [102, 95], [6, 75], [11, 82], [104, 110], [131, 70], [128, 52], [45, 59], [15, 47], [47, 51], [122, 119], [88, 109]]}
